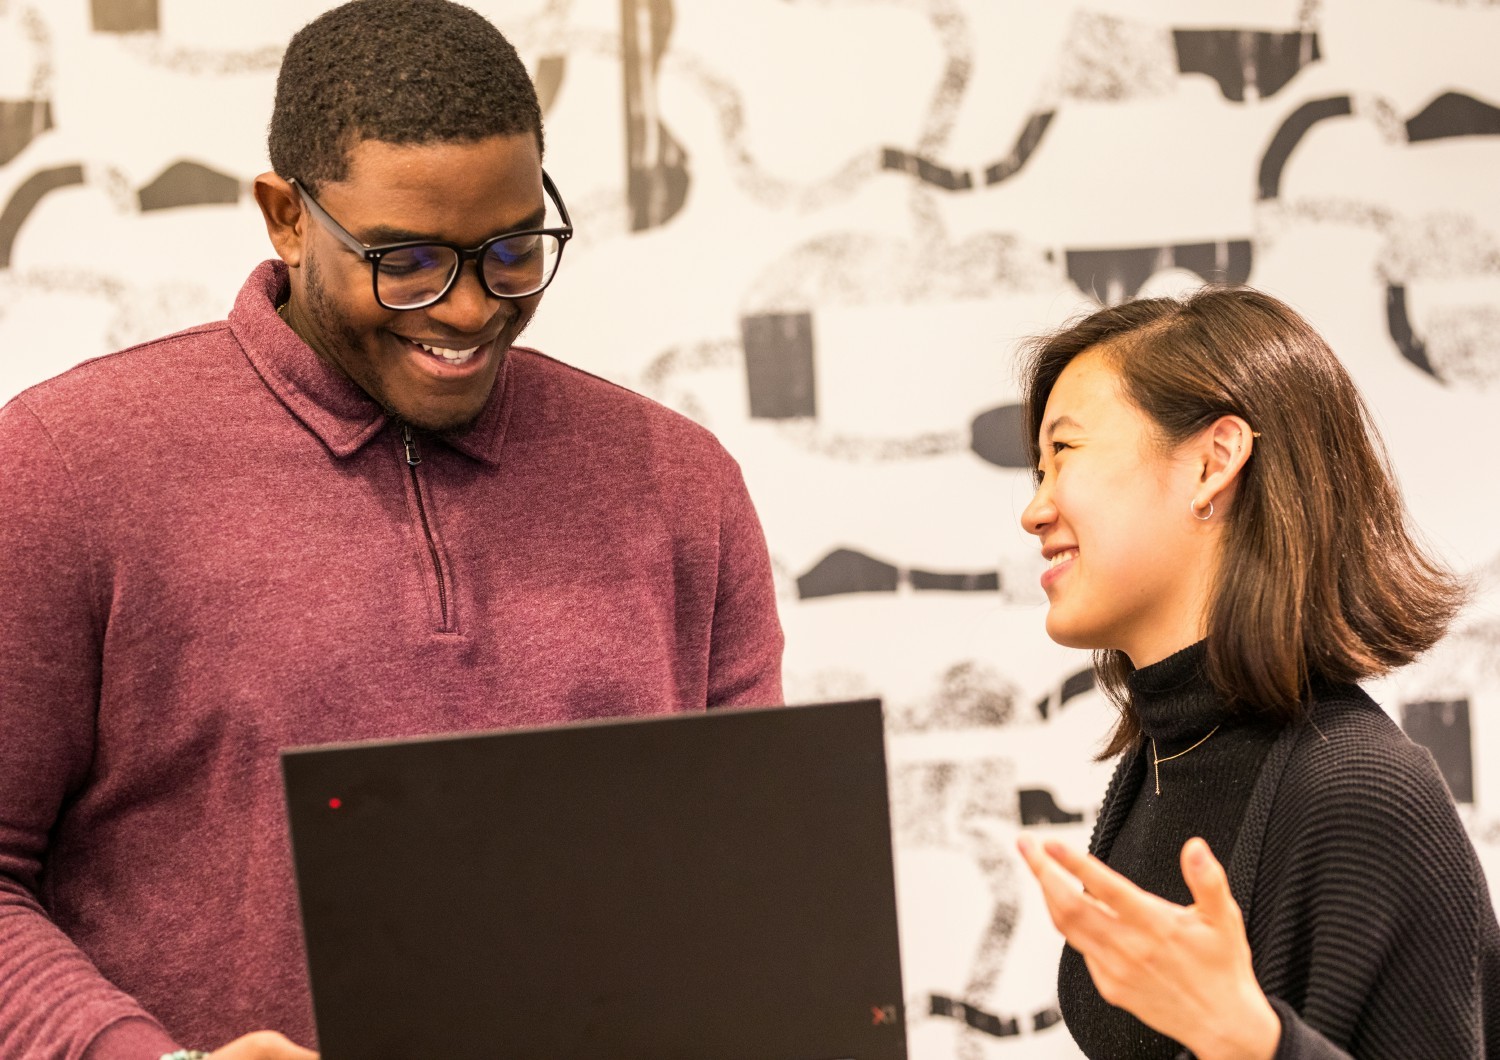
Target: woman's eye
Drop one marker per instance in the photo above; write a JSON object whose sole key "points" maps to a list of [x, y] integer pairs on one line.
{"points": [[1058, 447]]}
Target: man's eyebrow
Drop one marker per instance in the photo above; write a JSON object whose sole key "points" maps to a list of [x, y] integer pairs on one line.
{"points": [[374, 237]]}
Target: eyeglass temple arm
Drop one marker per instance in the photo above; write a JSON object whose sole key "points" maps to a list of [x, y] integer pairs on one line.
{"points": [[328, 222], [562, 207]]}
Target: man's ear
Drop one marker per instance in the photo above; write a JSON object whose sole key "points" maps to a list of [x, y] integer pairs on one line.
{"points": [[286, 221], [1221, 450]]}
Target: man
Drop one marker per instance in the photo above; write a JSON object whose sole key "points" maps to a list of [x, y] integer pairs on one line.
{"points": [[352, 510]]}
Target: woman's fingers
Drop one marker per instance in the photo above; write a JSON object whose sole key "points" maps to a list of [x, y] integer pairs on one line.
{"points": [[1208, 883], [1206, 879], [1083, 920], [1104, 883], [1184, 970]]}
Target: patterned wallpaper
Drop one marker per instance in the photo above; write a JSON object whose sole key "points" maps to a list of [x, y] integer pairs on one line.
{"points": [[820, 227]]}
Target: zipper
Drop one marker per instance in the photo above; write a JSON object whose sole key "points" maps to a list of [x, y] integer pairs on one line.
{"points": [[413, 458]]}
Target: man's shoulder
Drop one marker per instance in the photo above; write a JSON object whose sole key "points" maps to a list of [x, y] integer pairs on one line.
{"points": [[553, 393], [114, 384]]}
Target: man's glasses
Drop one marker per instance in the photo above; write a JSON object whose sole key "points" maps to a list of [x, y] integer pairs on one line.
{"points": [[417, 274]]}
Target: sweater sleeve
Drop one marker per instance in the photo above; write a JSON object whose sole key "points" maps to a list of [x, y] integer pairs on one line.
{"points": [[54, 1002], [744, 665], [1298, 1040], [1374, 938]]}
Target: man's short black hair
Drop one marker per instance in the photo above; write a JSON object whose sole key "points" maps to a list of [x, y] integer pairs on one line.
{"points": [[401, 71]]}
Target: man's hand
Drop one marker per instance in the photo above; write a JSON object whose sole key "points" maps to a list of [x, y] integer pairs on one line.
{"points": [[1183, 970], [262, 1045]]}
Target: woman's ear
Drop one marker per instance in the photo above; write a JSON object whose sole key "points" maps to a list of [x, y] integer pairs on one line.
{"points": [[1221, 451], [281, 207]]}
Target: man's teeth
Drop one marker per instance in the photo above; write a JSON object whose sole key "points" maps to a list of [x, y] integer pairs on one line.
{"points": [[451, 356], [1064, 556]]}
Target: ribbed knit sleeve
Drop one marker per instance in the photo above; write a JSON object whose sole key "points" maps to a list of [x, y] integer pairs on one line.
{"points": [[1369, 919]]}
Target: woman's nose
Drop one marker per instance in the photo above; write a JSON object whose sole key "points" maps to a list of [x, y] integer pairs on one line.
{"points": [[1039, 513]]}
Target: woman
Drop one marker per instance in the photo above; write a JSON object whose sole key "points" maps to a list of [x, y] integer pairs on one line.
{"points": [[1276, 870]]}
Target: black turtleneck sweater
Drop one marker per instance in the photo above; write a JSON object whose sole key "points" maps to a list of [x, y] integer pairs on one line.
{"points": [[1369, 920], [1203, 793]]}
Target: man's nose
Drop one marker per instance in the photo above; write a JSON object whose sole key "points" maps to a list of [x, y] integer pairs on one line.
{"points": [[468, 307]]}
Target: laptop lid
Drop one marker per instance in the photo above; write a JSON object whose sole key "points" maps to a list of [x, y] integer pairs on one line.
{"points": [[711, 886]]}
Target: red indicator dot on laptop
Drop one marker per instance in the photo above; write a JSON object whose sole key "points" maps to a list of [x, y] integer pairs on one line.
{"points": [[334, 804]]}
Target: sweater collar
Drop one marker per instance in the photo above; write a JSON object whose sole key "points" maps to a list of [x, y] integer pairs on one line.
{"points": [[1174, 699], [325, 400]]}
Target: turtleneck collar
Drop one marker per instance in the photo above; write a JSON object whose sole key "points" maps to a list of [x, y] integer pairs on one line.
{"points": [[326, 401], [1174, 700]]}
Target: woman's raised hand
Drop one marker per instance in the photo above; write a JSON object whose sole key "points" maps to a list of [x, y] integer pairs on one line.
{"points": [[1184, 971]]}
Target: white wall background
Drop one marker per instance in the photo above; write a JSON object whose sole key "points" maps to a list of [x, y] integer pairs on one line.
{"points": [[774, 147]]}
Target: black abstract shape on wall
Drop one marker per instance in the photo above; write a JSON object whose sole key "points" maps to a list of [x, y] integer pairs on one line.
{"points": [[126, 16], [998, 436], [1026, 145], [25, 198], [846, 570], [1242, 60], [1121, 272], [1290, 134], [189, 184], [1443, 728], [1044, 1018], [969, 696], [548, 79], [779, 367], [1450, 115], [1077, 684], [973, 1016], [949, 582], [656, 178], [1399, 326], [925, 170], [22, 121], [1226, 261], [1038, 806], [950, 179], [1074, 685], [1453, 114]]}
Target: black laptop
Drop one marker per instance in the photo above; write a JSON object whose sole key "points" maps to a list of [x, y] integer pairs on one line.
{"points": [[707, 886]]}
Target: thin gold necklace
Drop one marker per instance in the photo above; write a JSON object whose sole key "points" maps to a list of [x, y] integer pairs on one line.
{"points": [[1157, 760]]}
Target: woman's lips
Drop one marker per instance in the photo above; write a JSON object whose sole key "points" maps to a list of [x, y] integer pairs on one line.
{"points": [[1062, 562]]}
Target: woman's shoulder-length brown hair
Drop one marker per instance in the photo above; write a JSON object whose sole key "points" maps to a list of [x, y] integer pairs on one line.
{"points": [[1321, 578]]}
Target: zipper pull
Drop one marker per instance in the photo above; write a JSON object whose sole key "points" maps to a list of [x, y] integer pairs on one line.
{"points": [[413, 458]]}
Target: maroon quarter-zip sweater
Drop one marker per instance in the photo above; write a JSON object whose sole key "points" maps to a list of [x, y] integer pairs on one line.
{"points": [[214, 546]]}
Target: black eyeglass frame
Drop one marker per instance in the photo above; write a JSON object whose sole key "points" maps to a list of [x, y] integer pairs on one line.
{"points": [[372, 255]]}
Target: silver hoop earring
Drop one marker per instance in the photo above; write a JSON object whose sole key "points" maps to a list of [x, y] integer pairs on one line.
{"points": [[1201, 518]]}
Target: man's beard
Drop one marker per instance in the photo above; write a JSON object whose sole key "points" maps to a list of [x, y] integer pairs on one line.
{"points": [[336, 334]]}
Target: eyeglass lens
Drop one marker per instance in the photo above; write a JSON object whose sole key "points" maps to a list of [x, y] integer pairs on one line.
{"points": [[512, 266]]}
